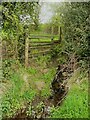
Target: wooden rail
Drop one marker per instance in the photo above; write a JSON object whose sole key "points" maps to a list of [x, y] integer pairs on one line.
{"points": [[37, 48], [40, 42], [40, 53], [36, 45], [44, 42], [42, 36]]}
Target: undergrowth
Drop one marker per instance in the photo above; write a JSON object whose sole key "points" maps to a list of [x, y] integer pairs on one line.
{"points": [[48, 77], [76, 103], [16, 95], [21, 90]]}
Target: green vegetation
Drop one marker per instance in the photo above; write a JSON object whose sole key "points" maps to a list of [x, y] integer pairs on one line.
{"points": [[24, 78], [42, 74], [47, 77], [74, 19], [16, 94], [76, 102], [23, 84], [74, 106]]}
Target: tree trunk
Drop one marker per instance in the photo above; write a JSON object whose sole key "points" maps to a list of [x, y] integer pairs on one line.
{"points": [[52, 30]]}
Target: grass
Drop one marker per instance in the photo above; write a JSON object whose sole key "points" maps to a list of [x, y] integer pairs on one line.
{"points": [[32, 71], [76, 102], [48, 77], [15, 97], [21, 87], [37, 74]]}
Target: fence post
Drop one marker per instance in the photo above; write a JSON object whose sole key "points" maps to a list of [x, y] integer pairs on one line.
{"points": [[26, 51], [16, 50], [1, 57], [52, 32], [52, 38]]}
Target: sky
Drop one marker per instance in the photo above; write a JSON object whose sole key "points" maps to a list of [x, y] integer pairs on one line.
{"points": [[64, 0], [51, 0], [46, 12]]}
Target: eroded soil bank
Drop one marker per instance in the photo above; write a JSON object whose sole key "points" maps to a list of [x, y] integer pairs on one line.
{"points": [[40, 107]]}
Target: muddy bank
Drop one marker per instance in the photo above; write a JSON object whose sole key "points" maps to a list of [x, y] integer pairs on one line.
{"points": [[40, 107]]}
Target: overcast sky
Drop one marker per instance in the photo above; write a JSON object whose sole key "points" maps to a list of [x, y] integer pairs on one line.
{"points": [[46, 12]]}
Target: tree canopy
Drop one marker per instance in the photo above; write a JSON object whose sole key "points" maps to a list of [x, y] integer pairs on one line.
{"points": [[17, 15], [75, 21]]}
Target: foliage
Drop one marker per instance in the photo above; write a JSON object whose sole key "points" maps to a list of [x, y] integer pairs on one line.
{"points": [[18, 19], [29, 111], [74, 20], [40, 106], [43, 60], [60, 53], [16, 95], [76, 102], [15, 15], [9, 66], [32, 71]]}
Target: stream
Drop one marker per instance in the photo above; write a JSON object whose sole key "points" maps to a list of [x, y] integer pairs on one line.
{"points": [[40, 107]]}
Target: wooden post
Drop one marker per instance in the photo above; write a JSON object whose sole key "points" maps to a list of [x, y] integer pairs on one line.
{"points": [[52, 29], [60, 33], [1, 73], [52, 38], [16, 51], [26, 52], [15, 55], [59, 30]]}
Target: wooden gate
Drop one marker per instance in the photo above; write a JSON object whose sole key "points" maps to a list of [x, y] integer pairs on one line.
{"points": [[38, 45]]}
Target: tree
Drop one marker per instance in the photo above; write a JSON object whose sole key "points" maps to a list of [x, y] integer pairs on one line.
{"points": [[74, 19], [17, 17]]}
